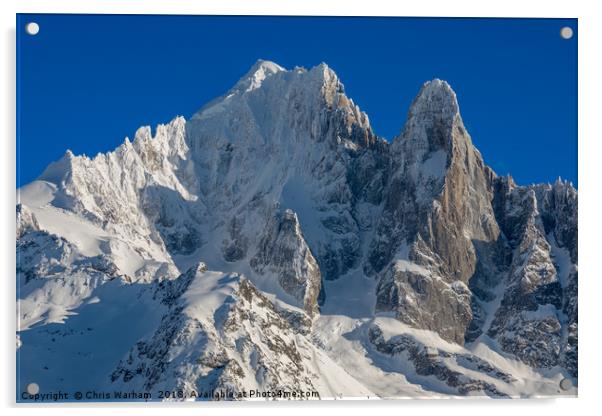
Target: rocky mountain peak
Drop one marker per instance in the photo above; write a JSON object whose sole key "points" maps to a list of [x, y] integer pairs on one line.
{"points": [[59, 171], [436, 99], [286, 109], [255, 76], [284, 252], [433, 122]]}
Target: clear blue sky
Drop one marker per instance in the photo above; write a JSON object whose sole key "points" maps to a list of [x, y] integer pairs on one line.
{"points": [[87, 81]]}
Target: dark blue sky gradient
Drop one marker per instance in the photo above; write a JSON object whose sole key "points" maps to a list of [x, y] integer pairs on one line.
{"points": [[87, 81]]}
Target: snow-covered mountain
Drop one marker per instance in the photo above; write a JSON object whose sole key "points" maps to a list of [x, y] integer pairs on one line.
{"points": [[273, 243]]}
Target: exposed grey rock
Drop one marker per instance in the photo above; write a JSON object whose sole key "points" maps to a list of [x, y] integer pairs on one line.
{"points": [[537, 318], [431, 362], [424, 300], [437, 206], [172, 218], [569, 351], [248, 324], [26, 221], [235, 247], [40, 254], [283, 251]]}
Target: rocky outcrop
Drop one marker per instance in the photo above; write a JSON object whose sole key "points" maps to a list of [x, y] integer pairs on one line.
{"points": [[423, 299], [537, 318], [430, 361], [246, 344], [437, 208], [26, 221], [234, 248], [282, 251]]}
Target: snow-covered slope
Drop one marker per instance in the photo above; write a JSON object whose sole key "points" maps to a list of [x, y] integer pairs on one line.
{"points": [[272, 243]]}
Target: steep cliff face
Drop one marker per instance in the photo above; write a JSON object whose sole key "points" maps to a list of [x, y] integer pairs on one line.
{"points": [[284, 139], [329, 253], [537, 317], [283, 251], [437, 214]]}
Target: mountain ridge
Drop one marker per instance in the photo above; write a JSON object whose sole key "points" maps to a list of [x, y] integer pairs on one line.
{"points": [[282, 181]]}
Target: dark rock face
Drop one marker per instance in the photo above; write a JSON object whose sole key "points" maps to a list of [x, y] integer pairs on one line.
{"points": [[437, 205], [537, 317], [425, 301], [235, 248], [558, 205], [283, 251], [166, 212], [569, 349]]}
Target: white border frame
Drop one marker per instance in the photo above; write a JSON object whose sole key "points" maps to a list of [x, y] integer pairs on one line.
{"points": [[589, 168]]}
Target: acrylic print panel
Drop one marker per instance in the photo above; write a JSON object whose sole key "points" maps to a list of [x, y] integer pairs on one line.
{"points": [[272, 233]]}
